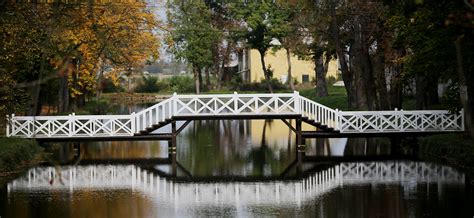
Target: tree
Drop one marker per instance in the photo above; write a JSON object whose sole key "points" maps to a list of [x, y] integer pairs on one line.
{"points": [[193, 35], [314, 43], [62, 46], [261, 23], [290, 35]]}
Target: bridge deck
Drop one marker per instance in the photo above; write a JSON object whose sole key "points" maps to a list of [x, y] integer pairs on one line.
{"points": [[233, 106]]}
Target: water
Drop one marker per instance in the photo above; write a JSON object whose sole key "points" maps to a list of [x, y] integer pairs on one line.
{"points": [[234, 168]]}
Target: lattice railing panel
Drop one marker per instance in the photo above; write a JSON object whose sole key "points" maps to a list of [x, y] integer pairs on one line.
{"points": [[71, 126], [235, 104], [400, 121]]}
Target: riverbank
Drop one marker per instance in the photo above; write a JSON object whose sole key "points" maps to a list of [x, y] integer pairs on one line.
{"points": [[17, 155], [456, 150]]}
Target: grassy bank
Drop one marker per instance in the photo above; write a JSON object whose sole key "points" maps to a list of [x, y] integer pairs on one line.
{"points": [[337, 97], [17, 154], [453, 149]]}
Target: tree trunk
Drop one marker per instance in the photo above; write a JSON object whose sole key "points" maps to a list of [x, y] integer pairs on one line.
{"points": [[99, 85], [426, 90], [321, 84], [201, 84], [196, 71], [363, 66], [220, 76], [35, 105], [395, 86], [345, 72], [356, 55], [100, 75], [432, 86], [378, 67], [420, 91], [208, 78], [466, 89], [63, 94], [265, 72], [290, 77]]}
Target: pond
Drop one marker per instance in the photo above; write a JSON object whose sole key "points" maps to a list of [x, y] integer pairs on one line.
{"points": [[235, 168]]}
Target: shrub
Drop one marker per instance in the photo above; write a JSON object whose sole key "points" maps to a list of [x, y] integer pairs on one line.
{"points": [[148, 85], [15, 151], [239, 85], [181, 84], [331, 80]]}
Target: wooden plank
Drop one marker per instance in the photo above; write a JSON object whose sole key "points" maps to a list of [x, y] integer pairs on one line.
{"points": [[148, 137], [318, 134], [237, 116]]}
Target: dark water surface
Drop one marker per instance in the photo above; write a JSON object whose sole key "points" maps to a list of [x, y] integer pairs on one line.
{"points": [[235, 168]]}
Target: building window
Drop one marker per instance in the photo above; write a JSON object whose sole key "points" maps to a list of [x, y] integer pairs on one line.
{"points": [[305, 78]]}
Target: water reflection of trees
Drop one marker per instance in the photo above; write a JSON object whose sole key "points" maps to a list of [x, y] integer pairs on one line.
{"points": [[350, 146], [230, 147]]}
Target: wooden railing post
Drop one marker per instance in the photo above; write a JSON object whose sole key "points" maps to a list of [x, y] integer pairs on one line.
{"points": [[401, 120], [175, 103], [337, 120], [8, 126], [463, 122], [236, 96], [72, 122], [70, 133], [133, 126], [297, 99]]}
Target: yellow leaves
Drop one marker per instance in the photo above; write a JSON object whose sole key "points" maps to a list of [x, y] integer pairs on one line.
{"points": [[119, 36]]}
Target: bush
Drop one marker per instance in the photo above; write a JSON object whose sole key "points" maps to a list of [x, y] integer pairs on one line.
{"points": [[454, 149], [15, 152], [331, 80], [180, 84], [238, 84], [149, 84]]}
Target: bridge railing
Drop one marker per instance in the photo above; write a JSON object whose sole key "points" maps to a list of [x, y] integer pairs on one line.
{"points": [[319, 113], [232, 104], [153, 115], [70, 125], [400, 121]]}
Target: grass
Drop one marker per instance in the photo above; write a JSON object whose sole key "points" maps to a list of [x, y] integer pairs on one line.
{"points": [[337, 97], [16, 153]]}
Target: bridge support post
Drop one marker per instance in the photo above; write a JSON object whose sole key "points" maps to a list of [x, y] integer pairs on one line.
{"points": [[172, 147], [300, 147], [395, 146]]}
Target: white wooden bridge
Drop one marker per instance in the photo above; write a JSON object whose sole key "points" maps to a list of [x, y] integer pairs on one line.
{"points": [[294, 192], [234, 106]]}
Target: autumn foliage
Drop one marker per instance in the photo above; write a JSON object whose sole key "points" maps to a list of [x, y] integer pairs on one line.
{"points": [[64, 49]]}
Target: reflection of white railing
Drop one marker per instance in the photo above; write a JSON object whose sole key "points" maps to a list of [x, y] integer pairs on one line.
{"points": [[233, 105], [242, 193]]}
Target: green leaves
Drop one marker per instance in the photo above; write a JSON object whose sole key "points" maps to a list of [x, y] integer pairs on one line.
{"points": [[192, 33]]}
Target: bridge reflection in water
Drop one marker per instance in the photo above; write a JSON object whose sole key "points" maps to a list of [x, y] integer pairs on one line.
{"points": [[176, 193]]}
